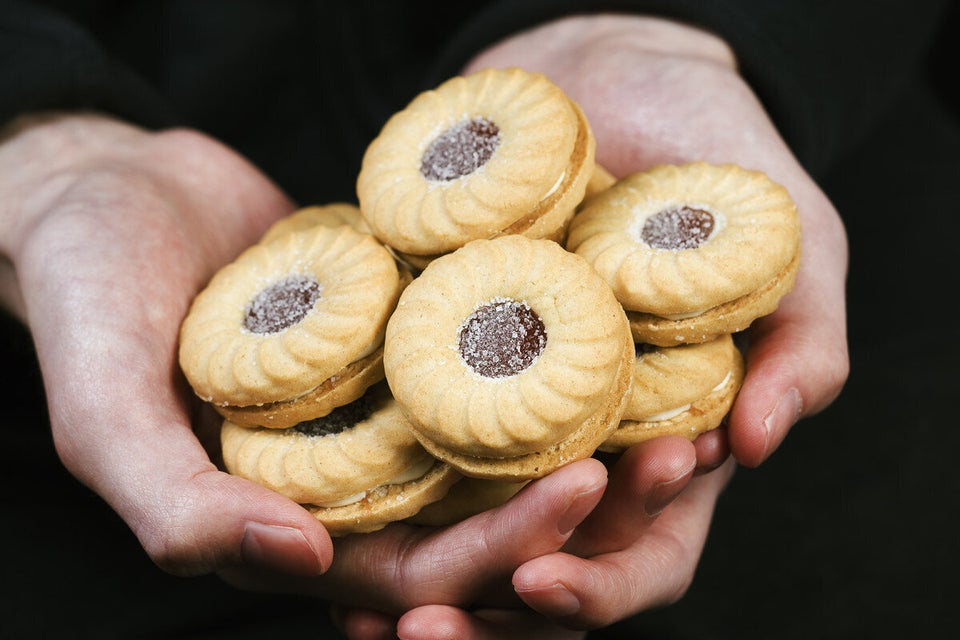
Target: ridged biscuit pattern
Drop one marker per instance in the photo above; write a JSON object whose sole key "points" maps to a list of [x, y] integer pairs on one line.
{"points": [[755, 237], [538, 128], [666, 378], [333, 214], [228, 364], [571, 379], [320, 469]]}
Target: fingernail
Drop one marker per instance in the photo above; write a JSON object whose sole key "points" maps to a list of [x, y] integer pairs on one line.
{"points": [[663, 493], [554, 600], [783, 416], [581, 506], [280, 549]]}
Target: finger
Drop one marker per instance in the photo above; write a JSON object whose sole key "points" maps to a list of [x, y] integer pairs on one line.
{"points": [[193, 519], [712, 449], [402, 567], [797, 359], [642, 482], [364, 624], [135, 448], [439, 622], [656, 571]]}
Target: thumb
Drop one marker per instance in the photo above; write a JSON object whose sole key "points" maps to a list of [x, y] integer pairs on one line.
{"points": [[188, 516]]}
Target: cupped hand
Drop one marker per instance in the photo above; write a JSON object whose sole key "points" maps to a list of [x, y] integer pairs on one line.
{"points": [[637, 550], [656, 92], [110, 231], [376, 577]]}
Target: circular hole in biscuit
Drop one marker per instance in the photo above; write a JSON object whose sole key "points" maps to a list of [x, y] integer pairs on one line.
{"points": [[281, 305], [676, 229], [460, 150], [502, 338]]}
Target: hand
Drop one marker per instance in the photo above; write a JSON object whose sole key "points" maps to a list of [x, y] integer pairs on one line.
{"points": [[660, 92], [637, 550], [110, 231], [656, 92], [377, 577]]}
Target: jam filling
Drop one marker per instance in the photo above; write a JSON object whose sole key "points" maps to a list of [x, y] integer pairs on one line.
{"points": [[281, 305], [677, 229], [338, 420], [460, 150], [502, 338], [642, 348]]}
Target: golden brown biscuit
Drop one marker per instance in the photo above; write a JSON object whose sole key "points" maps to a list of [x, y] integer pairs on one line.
{"points": [[601, 180], [334, 214], [356, 469], [466, 498], [495, 152], [511, 357], [683, 390], [293, 328], [692, 251]]}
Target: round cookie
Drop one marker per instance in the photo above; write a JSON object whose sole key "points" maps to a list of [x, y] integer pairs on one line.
{"points": [[683, 390], [334, 214], [466, 498], [511, 358], [601, 180], [292, 328], [692, 251], [499, 151], [356, 469]]}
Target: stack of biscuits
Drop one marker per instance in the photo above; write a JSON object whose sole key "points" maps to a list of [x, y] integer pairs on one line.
{"points": [[497, 306]]}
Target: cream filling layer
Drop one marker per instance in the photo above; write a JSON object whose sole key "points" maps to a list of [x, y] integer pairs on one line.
{"points": [[412, 472], [553, 189], [660, 416], [682, 316]]}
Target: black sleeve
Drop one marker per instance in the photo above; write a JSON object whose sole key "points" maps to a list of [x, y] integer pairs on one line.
{"points": [[826, 71], [48, 62]]}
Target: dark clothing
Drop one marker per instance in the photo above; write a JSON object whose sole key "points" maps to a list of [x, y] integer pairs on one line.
{"points": [[844, 533], [302, 87]]}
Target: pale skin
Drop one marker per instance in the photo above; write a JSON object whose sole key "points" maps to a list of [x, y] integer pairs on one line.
{"points": [[107, 231]]}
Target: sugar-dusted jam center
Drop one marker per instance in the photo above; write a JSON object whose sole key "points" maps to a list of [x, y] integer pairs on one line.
{"points": [[281, 305], [338, 420], [676, 229], [502, 338], [460, 150]]}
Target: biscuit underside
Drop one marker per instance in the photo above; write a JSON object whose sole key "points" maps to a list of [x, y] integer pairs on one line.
{"points": [[552, 216], [387, 504], [581, 443], [702, 416], [466, 498], [729, 317], [346, 386]]}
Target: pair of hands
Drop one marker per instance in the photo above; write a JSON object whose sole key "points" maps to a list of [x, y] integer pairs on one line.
{"points": [[107, 231]]}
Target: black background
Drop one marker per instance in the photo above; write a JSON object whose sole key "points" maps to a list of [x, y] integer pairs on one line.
{"points": [[846, 532]]}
